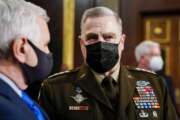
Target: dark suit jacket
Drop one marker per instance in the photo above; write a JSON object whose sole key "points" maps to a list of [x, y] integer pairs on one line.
{"points": [[12, 107], [76, 95]]}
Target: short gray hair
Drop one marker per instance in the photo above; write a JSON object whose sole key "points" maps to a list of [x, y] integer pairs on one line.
{"points": [[18, 18], [100, 11], [144, 48]]}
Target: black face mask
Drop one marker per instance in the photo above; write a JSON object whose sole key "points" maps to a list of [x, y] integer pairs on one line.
{"points": [[41, 70], [102, 56]]}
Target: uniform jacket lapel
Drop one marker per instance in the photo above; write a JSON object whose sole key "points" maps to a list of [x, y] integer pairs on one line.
{"points": [[126, 87], [88, 83]]}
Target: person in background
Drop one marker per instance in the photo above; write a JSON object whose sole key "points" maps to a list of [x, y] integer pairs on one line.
{"points": [[148, 55], [102, 88], [24, 58]]}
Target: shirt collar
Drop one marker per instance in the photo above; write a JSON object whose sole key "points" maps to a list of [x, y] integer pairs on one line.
{"points": [[11, 84], [99, 77]]}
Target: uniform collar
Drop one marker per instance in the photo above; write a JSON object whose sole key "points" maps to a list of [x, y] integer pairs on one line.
{"points": [[99, 77], [87, 81], [127, 83], [5, 79]]}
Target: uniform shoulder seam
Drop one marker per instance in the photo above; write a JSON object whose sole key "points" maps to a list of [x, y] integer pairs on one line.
{"points": [[140, 69], [62, 73]]}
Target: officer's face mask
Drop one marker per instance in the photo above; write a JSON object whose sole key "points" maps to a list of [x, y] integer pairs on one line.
{"points": [[156, 63], [41, 70], [102, 56]]}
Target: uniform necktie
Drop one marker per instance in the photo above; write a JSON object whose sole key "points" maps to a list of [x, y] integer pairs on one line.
{"points": [[34, 108], [111, 90]]}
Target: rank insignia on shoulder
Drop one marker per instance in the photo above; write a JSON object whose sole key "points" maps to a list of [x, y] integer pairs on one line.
{"points": [[59, 73], [140, 69], [78, 97]]}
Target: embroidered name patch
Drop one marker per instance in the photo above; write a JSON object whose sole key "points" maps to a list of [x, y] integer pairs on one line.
{"points": [[79, 108]]}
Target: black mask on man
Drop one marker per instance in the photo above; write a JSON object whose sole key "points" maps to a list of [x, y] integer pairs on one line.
{"points": [[102, 56], [41, 70]]}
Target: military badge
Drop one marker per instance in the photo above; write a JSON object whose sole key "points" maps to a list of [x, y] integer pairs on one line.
{"points": [[146, 98], [143, 114], [78, 90], [142, 83], [78, 97], [155, 114]]}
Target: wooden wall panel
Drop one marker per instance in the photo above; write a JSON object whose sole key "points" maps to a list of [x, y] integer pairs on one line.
{"points": [[132, 13], [131, 27], [55, 11]]}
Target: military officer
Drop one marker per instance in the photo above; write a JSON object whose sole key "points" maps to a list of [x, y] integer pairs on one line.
{"points": [[102, 88]]}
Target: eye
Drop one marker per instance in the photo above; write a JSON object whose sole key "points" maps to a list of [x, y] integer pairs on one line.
{"points": [[108, 37], [91, 37]]}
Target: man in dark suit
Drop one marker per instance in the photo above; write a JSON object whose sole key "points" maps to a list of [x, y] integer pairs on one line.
{"points": [[24, 38], [102, 88]]}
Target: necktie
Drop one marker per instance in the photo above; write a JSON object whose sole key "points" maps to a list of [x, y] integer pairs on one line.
{"points": [[34, 108], [111, 90]]}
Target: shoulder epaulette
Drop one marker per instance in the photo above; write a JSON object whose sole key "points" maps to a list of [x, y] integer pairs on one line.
{"points": [[62, 73], [140, 69]]}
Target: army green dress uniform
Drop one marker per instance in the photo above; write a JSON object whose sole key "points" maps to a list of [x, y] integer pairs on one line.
{"points": [[76, 95]]}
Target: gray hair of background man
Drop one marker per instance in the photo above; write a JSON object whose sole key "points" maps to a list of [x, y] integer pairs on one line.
{"points": [[144, 48], [18, 18], [100, 12]]}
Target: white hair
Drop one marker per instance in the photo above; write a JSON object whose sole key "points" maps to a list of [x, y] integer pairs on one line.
{"points": [[144, 48], [99, 11], [19, 18]]}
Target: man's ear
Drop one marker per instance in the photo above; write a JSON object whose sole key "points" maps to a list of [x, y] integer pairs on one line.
{"points": [[83, 48], [143, 60], [19, 49], [122, 41]]}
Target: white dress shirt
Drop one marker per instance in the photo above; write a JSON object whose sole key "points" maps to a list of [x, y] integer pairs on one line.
{"points": [[5, 79]]}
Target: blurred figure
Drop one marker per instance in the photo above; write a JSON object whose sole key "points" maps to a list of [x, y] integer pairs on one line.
{"points": [[149, 57], [102, 88], [24, 58]]}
